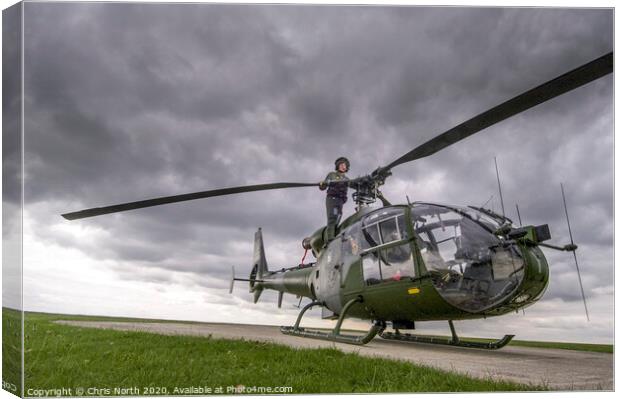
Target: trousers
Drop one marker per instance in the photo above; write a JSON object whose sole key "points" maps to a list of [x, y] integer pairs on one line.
{"points": [[333, 206]]}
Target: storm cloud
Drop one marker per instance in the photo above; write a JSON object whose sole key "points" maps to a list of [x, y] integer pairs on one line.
{"points": [[125, 102]]}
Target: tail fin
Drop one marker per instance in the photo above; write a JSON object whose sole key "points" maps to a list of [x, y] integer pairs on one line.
{"points": [[259, 270], [260, 262]]}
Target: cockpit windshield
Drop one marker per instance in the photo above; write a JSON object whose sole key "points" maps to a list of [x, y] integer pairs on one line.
{"points": [[486, 219], [469, 267]]}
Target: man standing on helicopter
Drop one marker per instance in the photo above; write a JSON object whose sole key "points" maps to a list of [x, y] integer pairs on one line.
{"points": [[336, 184]]}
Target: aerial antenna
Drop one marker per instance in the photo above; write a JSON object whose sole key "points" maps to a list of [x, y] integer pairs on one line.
{"points": [[570, 233], [499, 185], [519, 215], [490, 198]]}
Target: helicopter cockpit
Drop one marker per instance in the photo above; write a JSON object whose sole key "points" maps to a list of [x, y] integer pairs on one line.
{"points": [[469, 268]]}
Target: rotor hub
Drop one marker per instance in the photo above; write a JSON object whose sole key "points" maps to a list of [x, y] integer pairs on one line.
{"points": [[367, 187]]}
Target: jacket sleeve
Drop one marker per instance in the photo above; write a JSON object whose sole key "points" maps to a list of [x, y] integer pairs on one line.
{"points": [[323, 185]]}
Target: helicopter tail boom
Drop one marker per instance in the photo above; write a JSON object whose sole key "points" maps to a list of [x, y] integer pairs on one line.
{"points": [[294, 280]]}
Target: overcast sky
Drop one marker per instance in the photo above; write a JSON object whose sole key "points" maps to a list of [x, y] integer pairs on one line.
{"points": [[126, 102]]}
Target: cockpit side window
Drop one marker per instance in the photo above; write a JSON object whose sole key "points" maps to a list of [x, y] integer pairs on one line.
{"points": [[371, 236], [389, 264], [385, 226], [389, 230]]}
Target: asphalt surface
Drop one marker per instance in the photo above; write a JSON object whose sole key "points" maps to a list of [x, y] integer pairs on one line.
{"points": [[556, 369]]}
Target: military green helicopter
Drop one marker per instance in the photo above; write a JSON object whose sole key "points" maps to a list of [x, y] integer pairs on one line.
{"points": [[402, 264]]}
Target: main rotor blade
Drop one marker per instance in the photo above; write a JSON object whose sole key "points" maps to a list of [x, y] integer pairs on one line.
{"points": [[86, 213], [538, 95]]}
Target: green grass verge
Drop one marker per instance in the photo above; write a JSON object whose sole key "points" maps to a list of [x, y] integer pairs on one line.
{"points": [[602, 348], [11, 350], [71, 357]]}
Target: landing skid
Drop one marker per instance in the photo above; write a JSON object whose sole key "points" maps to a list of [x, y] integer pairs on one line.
{"points": [[334, 335], [454, 341]]}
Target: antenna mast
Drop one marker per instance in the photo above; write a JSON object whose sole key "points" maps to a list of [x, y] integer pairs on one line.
{"points": [[499, 185], [570, 233]]}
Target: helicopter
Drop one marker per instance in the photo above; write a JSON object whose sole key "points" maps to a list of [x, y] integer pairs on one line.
{"points": [[399, 264]]}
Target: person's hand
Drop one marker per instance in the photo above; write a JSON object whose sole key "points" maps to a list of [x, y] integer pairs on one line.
{"points": [[322, 185]]}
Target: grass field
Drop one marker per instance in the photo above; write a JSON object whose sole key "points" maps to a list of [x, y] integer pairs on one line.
{"points": [[143, 363], [602, 348], [72, 357], [11, 350]]}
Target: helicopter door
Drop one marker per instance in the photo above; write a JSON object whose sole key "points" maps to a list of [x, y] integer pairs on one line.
{"points": [[329, 277], [387, 254]]}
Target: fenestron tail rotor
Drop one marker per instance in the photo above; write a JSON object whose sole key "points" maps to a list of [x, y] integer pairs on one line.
{"points": [[574, 247]]}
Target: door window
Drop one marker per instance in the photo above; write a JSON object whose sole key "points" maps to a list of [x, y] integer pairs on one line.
{"points": [[388, 264]]}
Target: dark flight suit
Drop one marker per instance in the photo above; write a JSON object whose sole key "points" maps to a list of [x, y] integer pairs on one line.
{"points": [[336, 198]]}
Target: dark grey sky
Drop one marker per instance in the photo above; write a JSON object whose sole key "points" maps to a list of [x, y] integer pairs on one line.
{"points": [[131, 101]]}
